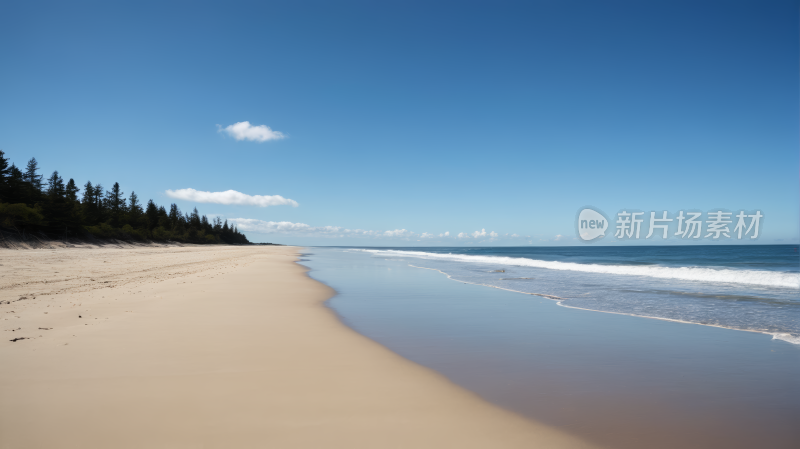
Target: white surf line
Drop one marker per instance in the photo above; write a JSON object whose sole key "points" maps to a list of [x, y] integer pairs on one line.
{"points": [[691, 274], [559, 301]]}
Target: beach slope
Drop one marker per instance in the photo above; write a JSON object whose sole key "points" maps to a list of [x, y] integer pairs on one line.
{"points": [[213, 347]]}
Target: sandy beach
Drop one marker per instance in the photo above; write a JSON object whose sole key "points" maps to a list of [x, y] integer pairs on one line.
{"points": [[213, 346]]}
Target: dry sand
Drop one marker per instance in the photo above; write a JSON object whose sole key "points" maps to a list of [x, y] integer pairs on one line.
{"points": [[206, 347]]}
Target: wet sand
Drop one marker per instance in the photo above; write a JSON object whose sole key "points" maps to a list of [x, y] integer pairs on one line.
{"points": [[619, 381], [213, 347]]}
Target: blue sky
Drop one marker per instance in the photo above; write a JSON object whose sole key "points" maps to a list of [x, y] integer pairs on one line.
{"points": [[428, 117]]}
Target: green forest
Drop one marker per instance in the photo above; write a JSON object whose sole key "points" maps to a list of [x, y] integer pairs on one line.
{"points": [[51, 208]]}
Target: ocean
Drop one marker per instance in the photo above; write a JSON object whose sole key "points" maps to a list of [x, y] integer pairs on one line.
{"points": [[560, 335], [751, 288]]}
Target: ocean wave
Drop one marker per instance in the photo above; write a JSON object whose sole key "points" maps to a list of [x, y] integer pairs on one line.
{"points": [[749, 277], [787, 338]]}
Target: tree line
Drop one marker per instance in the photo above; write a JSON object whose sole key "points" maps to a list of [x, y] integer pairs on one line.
{"points": [[31, 204]]}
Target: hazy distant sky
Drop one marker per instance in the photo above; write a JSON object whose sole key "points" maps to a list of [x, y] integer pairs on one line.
{"points": [[412, 117]]}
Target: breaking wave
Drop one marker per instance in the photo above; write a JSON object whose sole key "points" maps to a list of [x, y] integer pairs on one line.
{"points": [[718, 275]]}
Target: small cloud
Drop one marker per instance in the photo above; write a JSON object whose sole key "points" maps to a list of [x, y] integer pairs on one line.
{"points": [[483, 233], [302, 229], [246, 131], [478, 234], [230, 197], [398, 233], [287, 227], [559, 237]]}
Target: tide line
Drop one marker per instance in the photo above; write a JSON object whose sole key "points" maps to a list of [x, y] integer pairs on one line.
{"points": [[789, 338]]}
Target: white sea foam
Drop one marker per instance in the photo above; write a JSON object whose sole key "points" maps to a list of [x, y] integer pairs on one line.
{"points": [[786, 337], [750, 277]]}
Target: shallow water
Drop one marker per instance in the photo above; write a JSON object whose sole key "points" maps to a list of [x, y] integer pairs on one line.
{"points": [[753, 288], [618, 380]]}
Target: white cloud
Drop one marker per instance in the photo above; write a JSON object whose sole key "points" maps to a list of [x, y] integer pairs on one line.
{"points": [[559, 237], [287, 227], [302, 229], [477, 235], [483, 233], [398, 233], [246, 131], [230, 197], [281, 227]]}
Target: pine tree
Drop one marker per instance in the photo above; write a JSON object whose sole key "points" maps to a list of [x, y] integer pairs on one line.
{"points": [[163, 218], [194, 220], [152, 215], [99, 203], [5, 174], [175, 217], [134, 210], [55, 186], [116, 204], [72, 191], [88, 193], [89, 204], [72, 207], [16, 186], [98, 196], [32, 177], [54, 205]]}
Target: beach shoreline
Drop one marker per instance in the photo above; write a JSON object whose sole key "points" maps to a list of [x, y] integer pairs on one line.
{"points": [[617, 380], [214, 347]]}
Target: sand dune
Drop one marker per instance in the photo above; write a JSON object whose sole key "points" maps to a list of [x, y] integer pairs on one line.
{"points": [[213, 347]]}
